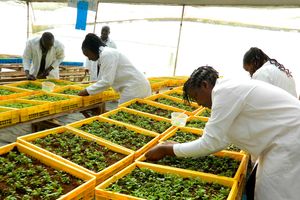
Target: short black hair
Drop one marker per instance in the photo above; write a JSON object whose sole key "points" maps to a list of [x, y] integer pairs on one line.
{"points": [[92, 42], [203, 73]]}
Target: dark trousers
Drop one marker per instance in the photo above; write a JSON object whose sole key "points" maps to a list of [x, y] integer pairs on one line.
{"points": [[250, 185]]}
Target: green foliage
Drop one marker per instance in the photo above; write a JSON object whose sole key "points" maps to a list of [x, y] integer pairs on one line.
{"points": [[70, 91], [170, 102], [141, 121], [30, 86], [83, 152], [222, 166], [151, 109], [183, 136], [22, 177], [206, 113], [177, 95], [233, 148], [117, 134], [6, 92], [195, 123], [18, 105], [61, 83], [148, 184], [46, 97]]}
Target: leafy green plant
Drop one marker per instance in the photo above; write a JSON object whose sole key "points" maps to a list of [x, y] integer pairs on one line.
{"points": [[177, 95], [117, 134], [141, 121], [23, 177], [70, 91], [18, 105], [195, 123], [4, 92], [143, 107], [206, 113], [61, 83], [222, 166], [148, 184], [30, 86], [233, 148], [46, 97], [183, 136], [176, 104], [83, 152]]}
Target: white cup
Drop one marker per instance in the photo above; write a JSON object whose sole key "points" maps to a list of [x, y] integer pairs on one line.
{"points": [[178, 119], [48, 86]]}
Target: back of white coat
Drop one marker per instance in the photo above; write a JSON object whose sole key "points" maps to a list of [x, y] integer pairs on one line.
{"points": [[116, 71]]}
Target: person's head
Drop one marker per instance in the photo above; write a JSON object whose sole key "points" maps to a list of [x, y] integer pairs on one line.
{"points": [[47, 41], [254, 59], [105, 31], [90, 46], [199, 86]]}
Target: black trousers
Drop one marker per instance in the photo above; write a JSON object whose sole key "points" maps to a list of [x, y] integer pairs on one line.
{"points": [[250, 184]]}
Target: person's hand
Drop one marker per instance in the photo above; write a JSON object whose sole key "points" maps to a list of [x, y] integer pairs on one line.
{"points": [[30, 77], [83, 93], [160, 151], [47, 71]]}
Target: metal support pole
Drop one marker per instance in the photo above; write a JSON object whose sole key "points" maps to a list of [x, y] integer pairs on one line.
{"points": [[178, 42], [95, 22], [27, 3]]}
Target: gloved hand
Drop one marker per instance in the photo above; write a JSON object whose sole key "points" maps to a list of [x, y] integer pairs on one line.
{"points": [[45, 73], [83, 93], [29, 76]]}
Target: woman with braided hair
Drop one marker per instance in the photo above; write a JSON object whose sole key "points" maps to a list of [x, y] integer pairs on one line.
{"points": [[113, 70], [246, 114], [261, 67]]}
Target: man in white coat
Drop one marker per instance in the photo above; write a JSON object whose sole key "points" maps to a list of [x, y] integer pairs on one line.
{"points": [[91, 66], [114, 70], [257, 117], [42, 57]]}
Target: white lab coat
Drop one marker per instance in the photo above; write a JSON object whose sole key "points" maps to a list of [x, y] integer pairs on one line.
{"points": [[262, 119], [33, 52], [117, 72], [92, 65], [271, 74]]}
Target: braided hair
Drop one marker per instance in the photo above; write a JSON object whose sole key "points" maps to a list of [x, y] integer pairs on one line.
{"points": [[92, 42], [203, 73], [256, 57]]}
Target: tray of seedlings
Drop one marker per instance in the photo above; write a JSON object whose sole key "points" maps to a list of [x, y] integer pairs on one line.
{"points": [[60, 102], [80, 150], [73, 90], [33, 86], [8, 116], [28, 174], [157, 83], [57, 82], [205, 112], [227, 163], [129, 137], [167, 100], [147, 181], [8, 92], [150, 107], [146, 121], [27, 109], [195, 122]]}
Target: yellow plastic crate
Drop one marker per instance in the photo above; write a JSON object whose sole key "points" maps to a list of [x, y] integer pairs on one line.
{"points": [[100, 176], [109, 95], [137, 153], [204, 119], [85, 191], [23, 83], [101, 193], [71, 103], [17, 92], [239, 175], [8, 116], [40, 109], [154, 117], [194, 105], [57, 82], [172, 132], [200, 112], [157, 83], [151, 103]]}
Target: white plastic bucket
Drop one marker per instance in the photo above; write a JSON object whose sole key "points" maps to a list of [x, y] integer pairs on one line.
{"points": [[178, 119], [48, 86]]}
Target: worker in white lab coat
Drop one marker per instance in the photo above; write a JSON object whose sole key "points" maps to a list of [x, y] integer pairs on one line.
{"points": [[255, 116], [42, 57], [91, 66], [261, 67], [114, 70]]}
